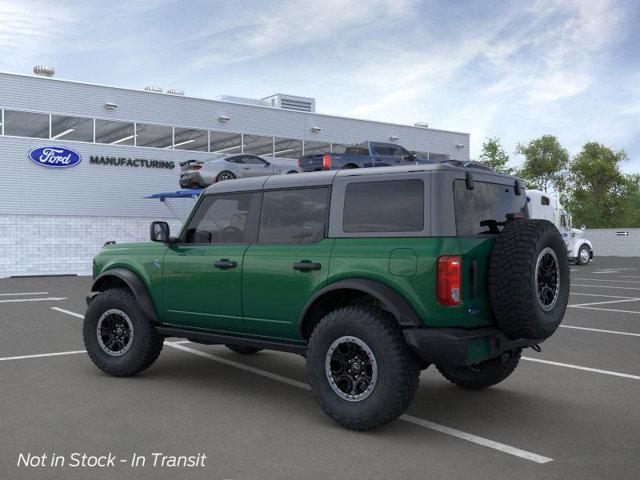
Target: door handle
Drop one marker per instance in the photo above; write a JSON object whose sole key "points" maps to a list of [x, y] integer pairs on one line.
{"points": [[246, 168], [306, 266], [225, 263]]}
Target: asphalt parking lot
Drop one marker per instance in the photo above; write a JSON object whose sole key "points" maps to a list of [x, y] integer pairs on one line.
{"points": [[571, 411]]}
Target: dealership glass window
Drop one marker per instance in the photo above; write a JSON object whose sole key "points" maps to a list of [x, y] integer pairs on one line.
{"points": [[190, 139], [293, 216], [225, 142], [287, 148], [399, 206], [312, 147], [338, 147], [258, 145], [158, 136], [221, 219], [26, 124], [114, 133], [72, 128]]}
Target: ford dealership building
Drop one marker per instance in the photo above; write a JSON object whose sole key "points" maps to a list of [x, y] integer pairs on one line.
{"points": [[77, 160]]}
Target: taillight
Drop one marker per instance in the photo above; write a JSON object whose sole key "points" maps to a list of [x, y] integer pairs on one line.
{"points": [[298, 162], [449, 280], [326, 161]]}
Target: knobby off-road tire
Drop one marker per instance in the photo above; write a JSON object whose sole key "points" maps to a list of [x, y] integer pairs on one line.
{"points": [[529, 279], [243, 350], [482, 375], [361, 331], [134, 352]]}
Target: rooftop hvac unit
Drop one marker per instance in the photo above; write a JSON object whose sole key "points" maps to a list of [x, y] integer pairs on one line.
{"points": [[292, 102], [175, 91], [44, 71], [244, 100], [153, 88]]}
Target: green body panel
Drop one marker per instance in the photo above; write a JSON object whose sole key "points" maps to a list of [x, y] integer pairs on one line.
{"points": [[264, 296], [477, 311], [273, 293], [196, 293], [140, 258]]}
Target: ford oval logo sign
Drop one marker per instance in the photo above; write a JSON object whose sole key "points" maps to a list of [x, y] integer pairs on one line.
{"points": [[56, 157]]}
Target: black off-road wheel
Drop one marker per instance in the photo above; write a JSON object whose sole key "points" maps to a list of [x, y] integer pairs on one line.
{"points": [[529, 279], [482, 375], [242, 350], [119, 338], [361, 372]]}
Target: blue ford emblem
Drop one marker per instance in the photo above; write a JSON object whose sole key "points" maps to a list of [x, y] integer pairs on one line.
{"points": [[57, 157]]}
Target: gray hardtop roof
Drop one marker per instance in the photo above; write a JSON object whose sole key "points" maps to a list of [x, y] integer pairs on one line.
{"points": [[312, 179]]}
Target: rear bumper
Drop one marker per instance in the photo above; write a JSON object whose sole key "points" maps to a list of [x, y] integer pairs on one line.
{"points": [[191, 179], [458, 346]]}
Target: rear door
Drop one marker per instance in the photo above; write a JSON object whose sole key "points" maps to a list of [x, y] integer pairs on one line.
{"points": [[289, 262], [382, 155], [202, 273]]}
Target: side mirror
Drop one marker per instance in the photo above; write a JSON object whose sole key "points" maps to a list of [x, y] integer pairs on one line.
{"points": [[159, 232], [583, 227]]}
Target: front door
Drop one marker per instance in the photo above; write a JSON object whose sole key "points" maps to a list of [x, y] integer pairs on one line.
{"points": [[254, 166], [289, 262], [203, 271]]}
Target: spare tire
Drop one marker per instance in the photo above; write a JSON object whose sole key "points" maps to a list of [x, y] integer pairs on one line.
{"points": [[529, 279]]}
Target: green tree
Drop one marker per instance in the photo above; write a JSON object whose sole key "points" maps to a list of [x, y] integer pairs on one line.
{"points": [[545, 164], [599, 191], [631, 215], [494, 156]]}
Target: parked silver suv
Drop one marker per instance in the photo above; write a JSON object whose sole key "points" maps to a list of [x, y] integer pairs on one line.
{"points": [[202, 173]]}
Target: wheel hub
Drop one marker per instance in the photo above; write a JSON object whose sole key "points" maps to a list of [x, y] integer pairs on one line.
{"points": [[114, 332], [351, 368], [547, 279]]}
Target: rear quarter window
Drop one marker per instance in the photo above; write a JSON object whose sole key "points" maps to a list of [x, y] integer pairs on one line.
{"points": [[483, 209], [384, 206]]}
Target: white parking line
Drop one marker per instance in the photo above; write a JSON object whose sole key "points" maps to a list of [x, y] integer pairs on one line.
{"points": [[47, 299], [407, 418], [597, 295], [23, 293], [606, 286], [601, 330], [606, 280], [604, 302], [62, 310], [586, 369], [40, 355], [609, 310]]}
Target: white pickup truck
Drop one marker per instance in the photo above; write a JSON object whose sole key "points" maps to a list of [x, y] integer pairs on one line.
{"points": [[544, 206]]}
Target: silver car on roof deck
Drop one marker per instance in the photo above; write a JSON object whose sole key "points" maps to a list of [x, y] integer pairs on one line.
{"points": [[202, 173]]}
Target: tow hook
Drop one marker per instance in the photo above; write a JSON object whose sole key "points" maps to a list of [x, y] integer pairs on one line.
{"points": [[536, 348]]}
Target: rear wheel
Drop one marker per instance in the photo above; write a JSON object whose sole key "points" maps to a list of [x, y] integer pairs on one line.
{"points": [[583, 255], [360, 369], [225, 176], [242, 350], [118, 337], [482, 375]]}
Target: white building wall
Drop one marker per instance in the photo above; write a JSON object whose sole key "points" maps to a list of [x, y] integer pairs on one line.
{"points": [[55, 245], [612, 242]]}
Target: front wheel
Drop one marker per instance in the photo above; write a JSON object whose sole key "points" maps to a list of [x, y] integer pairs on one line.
{"points": [[583, 255], [361, 372], [482, 375], [119, 338], [225, 176]]}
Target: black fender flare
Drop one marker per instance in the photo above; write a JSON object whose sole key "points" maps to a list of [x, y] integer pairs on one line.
{"points": [[390, 300], [135, 284]]}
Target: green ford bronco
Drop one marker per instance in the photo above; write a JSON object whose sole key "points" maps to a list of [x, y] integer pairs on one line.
{"points": [[370, 274]]}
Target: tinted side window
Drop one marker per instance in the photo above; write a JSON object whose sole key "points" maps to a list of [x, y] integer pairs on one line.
{"points": [[381, 150], [238, 159], [253, 160], [484, 208], [544, 200], [387, 206], [223, 219], [293, 216], [397, 151]]}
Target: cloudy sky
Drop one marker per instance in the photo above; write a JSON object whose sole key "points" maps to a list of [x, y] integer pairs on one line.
{"points": [[515, 70]]}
